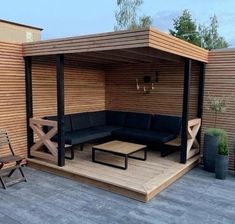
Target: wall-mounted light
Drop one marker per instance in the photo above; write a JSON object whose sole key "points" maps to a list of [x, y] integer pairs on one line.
{"points": [[147, 84]]}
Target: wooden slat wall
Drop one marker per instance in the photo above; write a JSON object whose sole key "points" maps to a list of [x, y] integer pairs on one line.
{"points": [[90, 89], [84, 87], [168, 43], [117, 40], [121, 93], [97, 42], [220, 81], [12, 96]]}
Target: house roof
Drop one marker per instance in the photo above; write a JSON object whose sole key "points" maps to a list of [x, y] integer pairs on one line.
{"points": [[142, 43], [20, 24]]}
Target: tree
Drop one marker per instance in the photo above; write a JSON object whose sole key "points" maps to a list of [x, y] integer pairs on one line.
{"points": [[127, 17], [210, 37], [185, 28], [204, 36]]}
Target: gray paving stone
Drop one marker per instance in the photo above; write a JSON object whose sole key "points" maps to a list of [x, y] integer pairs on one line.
{"points": [[196, 198]]}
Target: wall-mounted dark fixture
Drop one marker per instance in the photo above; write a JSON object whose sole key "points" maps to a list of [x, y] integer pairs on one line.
{"points": [[148, 83]]}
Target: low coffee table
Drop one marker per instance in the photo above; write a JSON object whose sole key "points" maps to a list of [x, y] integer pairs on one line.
{"points": [[120, 148]]}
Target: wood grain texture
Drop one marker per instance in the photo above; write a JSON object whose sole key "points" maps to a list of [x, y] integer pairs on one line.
{"points": [[121, 93], [141, 181], [84, 87], [117, 41], [176, 46], [12, 97], [116, 146], [220, 81]]}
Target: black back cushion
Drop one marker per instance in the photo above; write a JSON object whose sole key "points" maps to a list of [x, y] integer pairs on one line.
{"points": [[164, 123], [97, 118], [138, 120], [67, 122], [115, 118], [80, 121]]}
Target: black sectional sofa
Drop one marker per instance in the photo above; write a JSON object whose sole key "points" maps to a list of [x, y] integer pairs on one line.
{"points": [[151, 130]]}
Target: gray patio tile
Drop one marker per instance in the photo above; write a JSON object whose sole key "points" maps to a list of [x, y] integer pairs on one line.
{"points": [[196, 198]]}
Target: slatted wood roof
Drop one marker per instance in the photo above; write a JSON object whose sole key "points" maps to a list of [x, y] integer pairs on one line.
{"points": [[145, 45]]}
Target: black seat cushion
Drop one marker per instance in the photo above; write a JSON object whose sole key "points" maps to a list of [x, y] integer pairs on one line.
{"points": [[138, 120], [67, 123], [97, 118], [143, 136], [80, 121], [164, 123], [109, 128], [82, 136], [115, 118]]}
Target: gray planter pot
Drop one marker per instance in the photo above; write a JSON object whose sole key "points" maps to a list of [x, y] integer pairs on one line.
{"points": [[221, 166], [210, 148]]}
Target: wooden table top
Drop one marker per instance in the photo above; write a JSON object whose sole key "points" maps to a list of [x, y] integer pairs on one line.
{"points": [[120, 147]]}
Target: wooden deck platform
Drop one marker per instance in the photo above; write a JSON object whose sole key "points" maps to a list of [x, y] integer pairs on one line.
{"points": [[142, 181]]}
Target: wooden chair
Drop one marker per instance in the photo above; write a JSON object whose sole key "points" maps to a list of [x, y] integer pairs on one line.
{"points": [[8, 160]]}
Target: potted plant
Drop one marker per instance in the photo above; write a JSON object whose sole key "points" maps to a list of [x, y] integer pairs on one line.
{"points": [[211, 142], [211, 139], [221, 161]]}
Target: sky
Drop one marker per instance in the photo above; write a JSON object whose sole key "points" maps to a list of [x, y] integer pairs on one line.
{"points": [[64, 18]]}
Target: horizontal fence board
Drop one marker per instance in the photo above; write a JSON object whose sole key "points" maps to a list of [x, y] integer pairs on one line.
{"points": [[84, 87], [121, 93], [12, 97], [220, 81]]}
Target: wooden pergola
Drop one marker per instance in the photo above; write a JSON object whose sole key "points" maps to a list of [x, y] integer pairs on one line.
{"points": [[140, 46]]}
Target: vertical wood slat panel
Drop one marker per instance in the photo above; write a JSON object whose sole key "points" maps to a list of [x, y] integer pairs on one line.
{"points": [[12, 97], [220, 81]]}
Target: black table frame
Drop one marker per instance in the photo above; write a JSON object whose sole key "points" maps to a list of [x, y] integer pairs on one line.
{"points": [[125, 156]]}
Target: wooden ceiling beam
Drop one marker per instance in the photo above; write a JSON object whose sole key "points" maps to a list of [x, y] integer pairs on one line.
{"points": [[133, 58], [88, 58], [155, 54], [105, 58]]}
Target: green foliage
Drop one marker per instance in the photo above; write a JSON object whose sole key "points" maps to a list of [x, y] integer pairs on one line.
{"points": [[127, 17], [209, 35], [217, 105], [185, 28], [204, 36], [222, 136]]}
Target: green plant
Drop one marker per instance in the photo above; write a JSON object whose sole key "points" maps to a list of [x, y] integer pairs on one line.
{"points": [[222, 135], [217, 105]]}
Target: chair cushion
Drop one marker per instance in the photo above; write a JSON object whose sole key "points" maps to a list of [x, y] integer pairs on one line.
{"points": [[164, 123], [82, 136], [143, 136], [109, 128], [67, 123], [138, 120], [97, 118], [80, 121], [85, 135], [115, 118]]}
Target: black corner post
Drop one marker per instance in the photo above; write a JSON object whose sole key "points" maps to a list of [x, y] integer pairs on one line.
{"points": [[186, 95], [200, 95], [29, 101], [60, 108]]}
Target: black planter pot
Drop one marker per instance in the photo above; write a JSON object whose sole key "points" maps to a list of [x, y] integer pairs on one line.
{"points": [[209, 152], [221, 166]]}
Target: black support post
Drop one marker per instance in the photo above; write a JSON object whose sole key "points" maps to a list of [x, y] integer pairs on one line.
{"points": [[60, 109], [200, 96], [186, 95], [29, 101]]}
